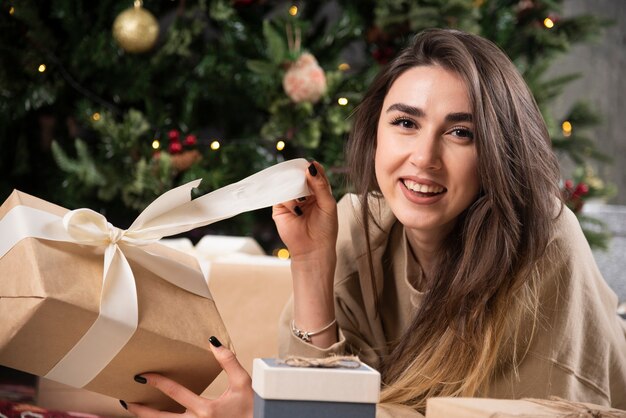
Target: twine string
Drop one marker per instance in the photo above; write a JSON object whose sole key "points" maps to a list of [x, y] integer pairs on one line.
{"points": [[347, 362]]}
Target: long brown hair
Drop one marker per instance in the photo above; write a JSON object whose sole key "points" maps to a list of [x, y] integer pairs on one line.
{"points": [[484, 279]]}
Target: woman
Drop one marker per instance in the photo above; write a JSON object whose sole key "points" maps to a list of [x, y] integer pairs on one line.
{"points": [[455, 269]]}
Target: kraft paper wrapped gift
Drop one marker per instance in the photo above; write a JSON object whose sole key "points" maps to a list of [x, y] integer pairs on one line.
{"points": [[250, 290], [522, 408], [49, 297], [50, 289], [283, 391]]}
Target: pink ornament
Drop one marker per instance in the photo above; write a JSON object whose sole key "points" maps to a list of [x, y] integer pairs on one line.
{"points": [[305, 80]]}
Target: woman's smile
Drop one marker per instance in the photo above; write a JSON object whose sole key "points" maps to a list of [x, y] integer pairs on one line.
{"points": [[426, 160]]}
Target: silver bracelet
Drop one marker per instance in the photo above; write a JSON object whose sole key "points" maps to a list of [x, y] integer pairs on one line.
{"points": [[306, 335]]}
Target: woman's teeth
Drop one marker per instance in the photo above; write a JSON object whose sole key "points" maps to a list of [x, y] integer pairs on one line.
{"points": [[422, 188]]}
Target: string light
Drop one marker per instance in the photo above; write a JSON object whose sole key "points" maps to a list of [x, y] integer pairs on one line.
{"points": [[280, 145], [567, 128], [42, 68], [283, 254], [156, 144], [215, 145], [12, 10], [342, 101], [548, 23], [96, 116], [293, 10], [344, 66]]}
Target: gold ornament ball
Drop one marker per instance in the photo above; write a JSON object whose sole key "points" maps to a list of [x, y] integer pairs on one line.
{"points": [[136, 30]]}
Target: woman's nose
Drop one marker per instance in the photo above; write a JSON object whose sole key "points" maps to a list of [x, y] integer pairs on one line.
{"points": [[426, 154]]}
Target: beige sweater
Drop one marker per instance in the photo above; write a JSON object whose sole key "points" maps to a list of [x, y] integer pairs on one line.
{"points": [[577, 353]]}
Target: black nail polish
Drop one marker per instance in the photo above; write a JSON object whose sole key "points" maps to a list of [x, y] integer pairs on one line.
{"points": [[141, 379], [123, 404], [298, 210], [313, 170], [215, 342]]}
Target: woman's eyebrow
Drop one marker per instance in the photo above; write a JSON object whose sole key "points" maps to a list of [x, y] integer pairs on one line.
{"points": [[405, 108], [459, 117], [419, 113]]}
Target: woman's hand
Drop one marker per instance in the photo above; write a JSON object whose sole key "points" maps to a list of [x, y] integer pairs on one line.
{"points": [[309, 226], [309, 229], [236, 402]]}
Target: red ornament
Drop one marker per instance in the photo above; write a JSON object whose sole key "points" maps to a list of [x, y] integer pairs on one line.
{"points": [[582, 189], [174, 135], [175, 147], [191, 140], [569, 184]]}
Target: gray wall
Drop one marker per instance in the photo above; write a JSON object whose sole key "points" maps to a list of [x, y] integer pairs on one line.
{"points": [[612, 262], [603, 67]]}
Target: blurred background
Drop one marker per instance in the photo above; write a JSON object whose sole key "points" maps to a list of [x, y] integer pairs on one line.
{"points": [[107, 105]]}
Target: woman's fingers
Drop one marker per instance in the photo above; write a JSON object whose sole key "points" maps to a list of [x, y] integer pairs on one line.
{"points": [[296, 207], [238, 377], [237, 401], [174, 390], [319, 185], [146, 412], [321, 193]]}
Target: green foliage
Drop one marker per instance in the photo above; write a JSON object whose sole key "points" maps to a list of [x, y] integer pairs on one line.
{"points": [[118, 166], [576, 144], [83, 167], [216, 72], [422, 14]]}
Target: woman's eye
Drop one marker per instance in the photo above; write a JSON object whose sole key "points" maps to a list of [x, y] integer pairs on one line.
{"points": [[403, 123], [463, 133]]}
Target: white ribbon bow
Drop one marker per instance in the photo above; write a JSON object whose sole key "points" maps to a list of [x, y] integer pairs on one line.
{"points": [[169, 214]]}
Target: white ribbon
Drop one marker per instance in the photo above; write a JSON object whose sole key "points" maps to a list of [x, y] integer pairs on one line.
{"points": [[169, 214]]}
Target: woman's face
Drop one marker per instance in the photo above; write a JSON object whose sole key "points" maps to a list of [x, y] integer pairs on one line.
{"points": [[426, 162]]}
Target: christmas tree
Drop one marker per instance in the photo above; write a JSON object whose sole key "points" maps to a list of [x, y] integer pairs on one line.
{"points": [[107, 105]]}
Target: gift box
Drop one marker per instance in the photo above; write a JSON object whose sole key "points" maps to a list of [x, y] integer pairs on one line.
{"points": [[89, 305], [50, 295], [250, 290], [56, 396], [522, 408], [283, 391]]}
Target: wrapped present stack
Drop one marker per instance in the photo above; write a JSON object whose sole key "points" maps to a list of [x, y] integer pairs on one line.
{"points": [[90, 305], [50, 298], [306, 388]]}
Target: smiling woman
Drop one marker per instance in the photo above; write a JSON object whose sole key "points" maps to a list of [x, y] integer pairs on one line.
{"points": [[455, 269], [457, 272]]}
